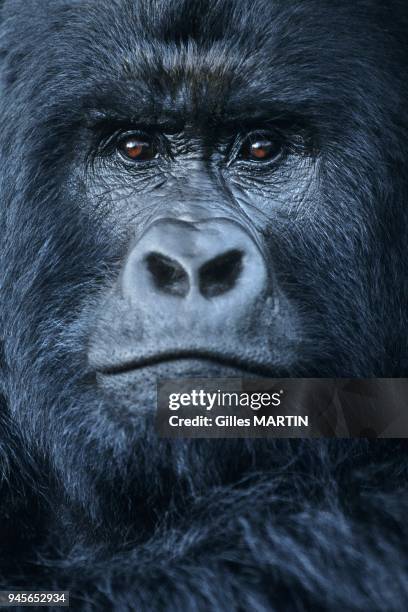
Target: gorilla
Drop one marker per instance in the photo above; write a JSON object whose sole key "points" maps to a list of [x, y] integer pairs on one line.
{"points": [[213, 188]]}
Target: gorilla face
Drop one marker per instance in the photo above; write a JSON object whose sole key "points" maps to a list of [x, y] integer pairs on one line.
{"points": [[188, 199], [193, 189], [195, 193]]}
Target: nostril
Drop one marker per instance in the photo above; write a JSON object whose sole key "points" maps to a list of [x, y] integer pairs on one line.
{"points": [[220, 274], [167, 274]]}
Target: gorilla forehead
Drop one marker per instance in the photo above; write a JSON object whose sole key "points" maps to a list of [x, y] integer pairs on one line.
{"points": [[231, 53]]}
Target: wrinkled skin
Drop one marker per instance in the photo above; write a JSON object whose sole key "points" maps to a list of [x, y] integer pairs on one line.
{"points": [[261, 231]]}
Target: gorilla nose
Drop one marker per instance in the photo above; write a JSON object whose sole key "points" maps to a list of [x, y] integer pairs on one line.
{"points": [[190, 261], [214, 277]]}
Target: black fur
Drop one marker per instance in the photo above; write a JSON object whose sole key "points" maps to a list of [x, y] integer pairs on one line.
{"points": [[125, 521]]}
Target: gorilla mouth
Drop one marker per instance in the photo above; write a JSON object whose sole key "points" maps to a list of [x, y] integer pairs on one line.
{"points": [[242, 364]]}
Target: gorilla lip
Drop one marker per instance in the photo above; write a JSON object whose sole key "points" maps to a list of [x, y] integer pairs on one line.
{"points": [[248, 365]]}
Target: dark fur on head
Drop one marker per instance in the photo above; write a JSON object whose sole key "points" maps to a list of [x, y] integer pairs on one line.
{"points": [[95, 504]]}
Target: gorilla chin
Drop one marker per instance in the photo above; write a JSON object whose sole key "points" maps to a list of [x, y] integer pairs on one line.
{"points": [[126, 386]]}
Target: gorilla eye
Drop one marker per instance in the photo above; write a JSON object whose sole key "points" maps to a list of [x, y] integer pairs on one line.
{"points": [[259, 148], [137, 148]]}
